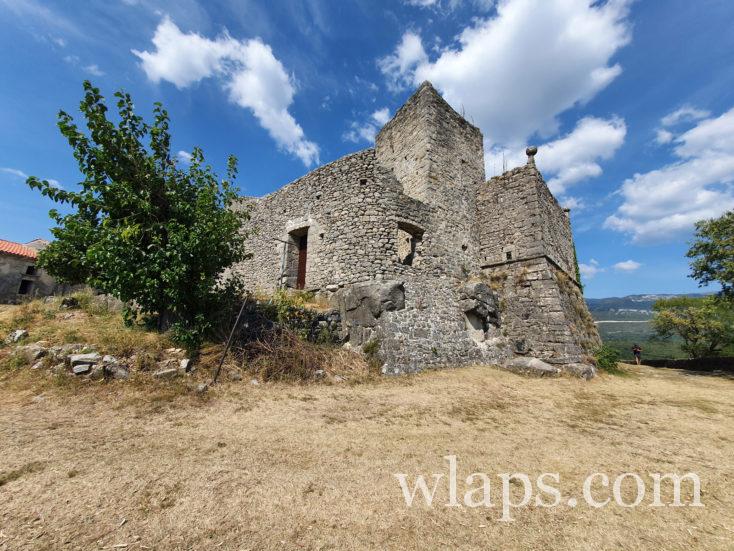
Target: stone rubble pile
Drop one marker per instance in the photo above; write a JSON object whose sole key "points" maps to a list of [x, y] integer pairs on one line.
{"points": [[84, 360]]}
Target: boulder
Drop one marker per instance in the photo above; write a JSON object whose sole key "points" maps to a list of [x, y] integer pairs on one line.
{"points": [[32, 352], [478, 298], [116, 371], [585, 371], [89, 358], [16, 336], [364, 303], [532, 367], [81, 369], [167, 373], [185, 365]]}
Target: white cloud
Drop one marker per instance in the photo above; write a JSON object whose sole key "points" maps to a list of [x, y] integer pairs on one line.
{"points": [[627, 266], [515, 72], [368, 130], [400, 66], [22, 175], [664, 136], [94, 70], [14, 172], [184, 157], [512, 74], [588, 271], [664, 203], [574, 157], [450, 5], [381, 116], [684, 114], [253, 77], [573, 203]]}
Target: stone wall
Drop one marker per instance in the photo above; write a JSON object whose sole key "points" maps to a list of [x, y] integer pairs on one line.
{"points": [[542, 312], [13, 270]]}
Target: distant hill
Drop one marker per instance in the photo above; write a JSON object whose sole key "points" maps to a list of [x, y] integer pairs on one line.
{"points": [[629, 308], [623, 321]]}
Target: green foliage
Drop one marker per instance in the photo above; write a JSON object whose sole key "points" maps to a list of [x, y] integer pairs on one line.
{"points": [[607, 359], [706, 325], [142, 229], [713, 253]]}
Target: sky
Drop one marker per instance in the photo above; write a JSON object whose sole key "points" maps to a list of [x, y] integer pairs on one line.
{"points": [[631, 103]]}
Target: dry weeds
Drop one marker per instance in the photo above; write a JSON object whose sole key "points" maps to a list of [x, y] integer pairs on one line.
{"points": [[278, 466]]}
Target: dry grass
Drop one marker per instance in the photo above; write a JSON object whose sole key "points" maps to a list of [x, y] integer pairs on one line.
{"points": [[278, 466], [91, 324]]}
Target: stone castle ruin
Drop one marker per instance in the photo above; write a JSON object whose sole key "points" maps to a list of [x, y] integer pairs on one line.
{"points": [[425, 259]]}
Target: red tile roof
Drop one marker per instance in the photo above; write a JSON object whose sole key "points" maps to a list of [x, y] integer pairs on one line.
{"points": [[9, 247]]}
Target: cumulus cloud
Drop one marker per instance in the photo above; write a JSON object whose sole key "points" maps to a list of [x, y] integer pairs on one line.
{"points": [[94, 70], [627, 266], [184, 157], [512, 74], [663, 136], [588, 271], [573, 203], [664, 203], [249, 71], [515, 72], [400, 66], [367, 130], [574, 157]]}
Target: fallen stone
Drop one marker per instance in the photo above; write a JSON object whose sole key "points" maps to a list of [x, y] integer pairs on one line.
{"points": [[532, 367], [584, 371], [37, 365], [202, 388], [108, 360], [89, 358], [116, 371], [254, 382], [81, 369], [319, 373], [97, 373], [32, 352], [16, 336], [185, 365], [166, 374]]}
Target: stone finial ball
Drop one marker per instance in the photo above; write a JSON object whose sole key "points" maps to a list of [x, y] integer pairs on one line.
{"points": [[531, 151]]}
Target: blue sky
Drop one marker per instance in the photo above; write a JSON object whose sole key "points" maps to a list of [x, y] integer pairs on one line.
{"points": [[630, 103]]}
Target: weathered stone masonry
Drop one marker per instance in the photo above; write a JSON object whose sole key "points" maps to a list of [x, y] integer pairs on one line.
{"points": [[423, 256]]}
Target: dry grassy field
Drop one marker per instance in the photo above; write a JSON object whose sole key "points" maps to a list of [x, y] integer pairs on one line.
{"points": [[274, 466]]}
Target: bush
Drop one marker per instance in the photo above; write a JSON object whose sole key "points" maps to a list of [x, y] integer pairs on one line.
{"points": [[607, 359], [282, 355]]}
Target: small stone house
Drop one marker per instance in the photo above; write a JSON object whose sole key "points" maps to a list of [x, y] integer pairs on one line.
{"points": [[19, 277], [425, 259]]}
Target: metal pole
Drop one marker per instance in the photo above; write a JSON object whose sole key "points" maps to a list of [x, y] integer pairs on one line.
{"points": [[229, 339]]}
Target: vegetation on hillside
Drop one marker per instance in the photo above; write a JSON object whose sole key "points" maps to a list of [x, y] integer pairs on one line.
{"points": [[142, 229], [713, 253], [705, 325]]}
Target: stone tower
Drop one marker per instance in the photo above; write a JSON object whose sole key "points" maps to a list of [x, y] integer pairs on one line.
{"points": [[438, 158], [526, 248]]}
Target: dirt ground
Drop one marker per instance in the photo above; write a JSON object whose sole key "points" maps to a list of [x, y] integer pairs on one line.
{"points": [[274, 466]]}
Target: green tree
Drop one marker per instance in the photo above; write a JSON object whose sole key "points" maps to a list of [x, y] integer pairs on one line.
{"points": [[713, 253], [141, 228], [705, 324]]}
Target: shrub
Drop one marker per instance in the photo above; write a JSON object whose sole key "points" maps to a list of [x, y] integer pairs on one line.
{"points": [[607, 359]]}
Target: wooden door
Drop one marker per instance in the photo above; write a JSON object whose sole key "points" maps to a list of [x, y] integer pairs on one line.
{"points": [[302, 255]]}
